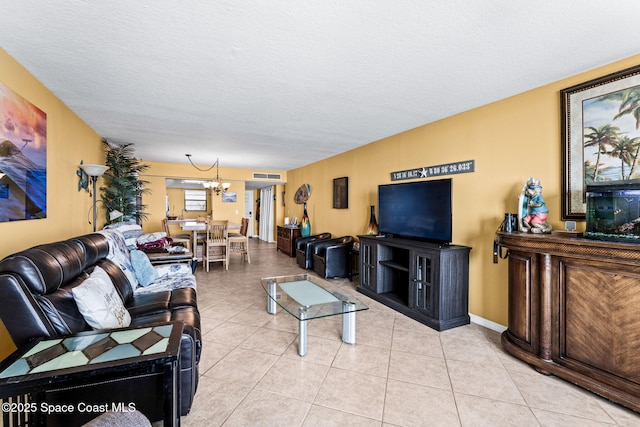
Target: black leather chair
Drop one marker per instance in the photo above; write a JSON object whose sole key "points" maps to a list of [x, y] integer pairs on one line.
{"points": [[304, 249], [331, 258]]}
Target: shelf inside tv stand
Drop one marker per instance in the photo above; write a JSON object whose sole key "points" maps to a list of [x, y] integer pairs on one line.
{"points": [[395, 265], [425, 281]]}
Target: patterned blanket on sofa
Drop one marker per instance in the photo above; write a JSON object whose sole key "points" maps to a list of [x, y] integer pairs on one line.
{"points": [[168, 276]]}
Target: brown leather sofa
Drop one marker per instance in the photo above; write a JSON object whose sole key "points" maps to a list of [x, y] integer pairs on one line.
{"points": [[36, 301]]}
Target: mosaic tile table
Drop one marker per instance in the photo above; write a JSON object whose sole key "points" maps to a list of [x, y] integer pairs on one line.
{"points": [[77, 377]]}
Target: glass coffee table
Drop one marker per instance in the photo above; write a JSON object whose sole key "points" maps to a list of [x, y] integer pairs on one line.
{"points": [[305, 300]]}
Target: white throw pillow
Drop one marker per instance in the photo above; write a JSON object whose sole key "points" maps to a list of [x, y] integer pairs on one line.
{"points": [[99, 302]]}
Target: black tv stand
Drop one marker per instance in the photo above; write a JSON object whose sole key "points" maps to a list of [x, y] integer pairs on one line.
{"points": [[428, 282]]}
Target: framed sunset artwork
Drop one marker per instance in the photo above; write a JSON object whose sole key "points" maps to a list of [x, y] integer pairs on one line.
{"points": [[23, 158]]}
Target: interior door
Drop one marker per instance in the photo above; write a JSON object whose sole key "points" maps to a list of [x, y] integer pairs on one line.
{"points": [[248, 211]]}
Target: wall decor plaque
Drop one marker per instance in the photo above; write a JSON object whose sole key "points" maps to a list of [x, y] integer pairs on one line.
{"points": [[465, 166]]}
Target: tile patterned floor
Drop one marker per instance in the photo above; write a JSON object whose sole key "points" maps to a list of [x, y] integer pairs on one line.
{"points": [[400, 372]]}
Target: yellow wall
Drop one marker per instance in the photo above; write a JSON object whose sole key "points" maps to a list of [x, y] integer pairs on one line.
{"points": [[69, 140], [510, 141]]}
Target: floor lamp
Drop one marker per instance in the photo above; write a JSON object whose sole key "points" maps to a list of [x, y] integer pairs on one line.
{"points": [[94, 171]]}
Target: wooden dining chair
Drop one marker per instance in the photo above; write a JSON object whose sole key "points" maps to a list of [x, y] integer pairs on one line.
{"points": [[239, 243], [203, 220], [178, 238], [216, 243]]}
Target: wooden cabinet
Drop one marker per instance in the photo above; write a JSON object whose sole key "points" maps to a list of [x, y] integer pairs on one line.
{"points": [[287, 238], [425, 281], [573, 311]]}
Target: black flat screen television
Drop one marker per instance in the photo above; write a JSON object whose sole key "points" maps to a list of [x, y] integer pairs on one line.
{"points": [[417, 210]]}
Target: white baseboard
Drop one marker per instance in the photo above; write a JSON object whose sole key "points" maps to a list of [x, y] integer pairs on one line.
{"points": [[487, 323]]}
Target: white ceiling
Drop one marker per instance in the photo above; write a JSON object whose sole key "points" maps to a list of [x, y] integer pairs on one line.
{"points": [[281, 83]]}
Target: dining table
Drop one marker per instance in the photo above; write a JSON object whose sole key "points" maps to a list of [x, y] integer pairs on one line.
{"points": [[195, 226]]}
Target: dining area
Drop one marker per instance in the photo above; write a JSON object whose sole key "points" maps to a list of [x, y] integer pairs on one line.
{"points": [[212, 240]]}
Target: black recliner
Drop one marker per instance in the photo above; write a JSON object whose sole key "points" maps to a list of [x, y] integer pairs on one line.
{"points": [[332, 257], [304, 249]]}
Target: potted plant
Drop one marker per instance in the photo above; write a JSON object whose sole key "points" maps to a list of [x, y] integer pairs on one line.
{"points": [[122, 187]]}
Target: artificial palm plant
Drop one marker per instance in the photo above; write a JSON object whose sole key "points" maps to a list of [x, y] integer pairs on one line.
{"points": [[122, 187]]}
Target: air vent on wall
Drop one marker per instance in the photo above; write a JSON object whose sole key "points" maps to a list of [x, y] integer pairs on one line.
{"points": [[261, 175]]}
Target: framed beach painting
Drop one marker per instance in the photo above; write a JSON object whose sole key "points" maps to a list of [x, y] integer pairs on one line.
{"points": [[229, 196], [600, 135], [23, 158]]}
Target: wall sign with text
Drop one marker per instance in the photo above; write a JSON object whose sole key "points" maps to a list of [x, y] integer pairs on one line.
{"points": [[466, 166]]}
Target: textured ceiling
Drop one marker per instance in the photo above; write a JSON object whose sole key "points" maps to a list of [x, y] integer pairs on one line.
{"points": [[279, 84]]}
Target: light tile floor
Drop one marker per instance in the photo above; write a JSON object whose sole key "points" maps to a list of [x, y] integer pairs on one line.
{"points": [[400, 372]]}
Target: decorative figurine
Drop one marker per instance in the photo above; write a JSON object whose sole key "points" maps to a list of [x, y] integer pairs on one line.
{"points": [[533, 209]]}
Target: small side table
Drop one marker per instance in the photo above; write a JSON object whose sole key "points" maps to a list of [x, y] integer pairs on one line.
{"points": [[72, 379]]}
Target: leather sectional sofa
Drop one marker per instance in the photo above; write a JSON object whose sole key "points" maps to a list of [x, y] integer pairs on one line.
{"points": [[36, 298]]}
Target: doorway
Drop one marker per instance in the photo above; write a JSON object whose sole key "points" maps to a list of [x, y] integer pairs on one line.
{"points": [[248, 211], [267, 215]]}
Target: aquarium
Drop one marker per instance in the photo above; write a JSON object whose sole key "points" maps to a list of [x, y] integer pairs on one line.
{"points": [[613, 211]]}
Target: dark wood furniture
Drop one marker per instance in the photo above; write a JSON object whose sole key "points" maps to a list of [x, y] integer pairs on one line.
{"points": [[354, 267], [427, 282], [574, 311], [287, 236]]}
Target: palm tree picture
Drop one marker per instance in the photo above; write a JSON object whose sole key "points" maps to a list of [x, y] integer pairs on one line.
{"points": [[600, 135], [612, 136]]}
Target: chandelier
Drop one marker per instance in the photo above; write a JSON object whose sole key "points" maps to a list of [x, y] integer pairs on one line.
{"points": [[215, 184]]}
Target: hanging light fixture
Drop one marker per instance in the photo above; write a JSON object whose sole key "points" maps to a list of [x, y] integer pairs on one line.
{"points": [[215, 184]]}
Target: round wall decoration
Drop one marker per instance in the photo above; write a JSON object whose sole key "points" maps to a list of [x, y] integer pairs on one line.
{"points": [[303, 193]]}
